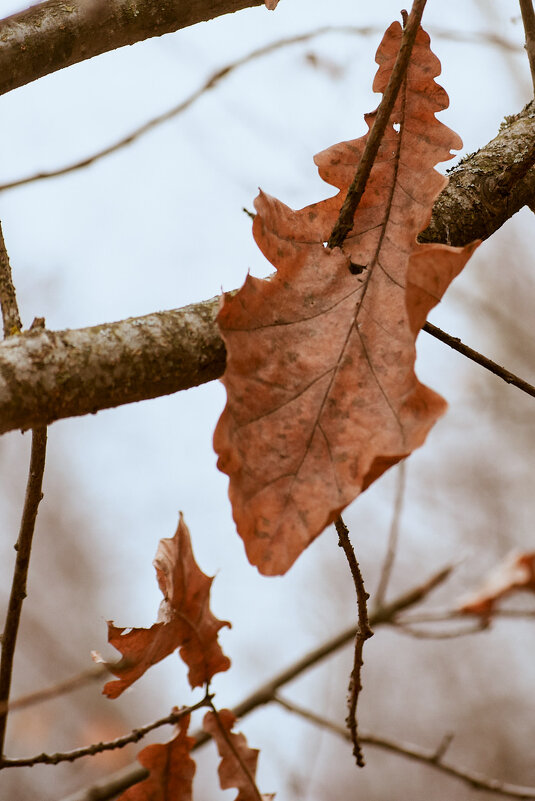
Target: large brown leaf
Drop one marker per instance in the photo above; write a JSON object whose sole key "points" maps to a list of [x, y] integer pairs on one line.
{"points": [[171, 770], [185, 621], [238, 762], [322, 396]]}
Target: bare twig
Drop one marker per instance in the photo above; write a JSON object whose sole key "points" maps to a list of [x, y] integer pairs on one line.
{"points": [[341, 229], [433, 759], [388, 562], [23, 546], [429, 634], [442, 616], [61, 688], [344, 224], [210, 83], [97, 748], [224, 72], [121, 780], [8, 297], [488, 364], [363, 633], [20, 574], [528, 19]]}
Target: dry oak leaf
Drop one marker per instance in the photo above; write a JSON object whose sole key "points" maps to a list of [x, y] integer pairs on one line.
{"points": [[238, 762], [322, 396], [184, 621], [516, 572], [171, 769]]}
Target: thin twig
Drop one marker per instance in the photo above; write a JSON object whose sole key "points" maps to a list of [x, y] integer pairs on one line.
{"points": [[488, 364], [528, 19], [20, 574], [235, 753], [119, 781], [345, 221], [61, 688], [23, 546], [8, 297], [363, 633], [97, 748], [434, 759], [224, 72], [430, 634], [341, 229], [442, 616], [393, 537]]}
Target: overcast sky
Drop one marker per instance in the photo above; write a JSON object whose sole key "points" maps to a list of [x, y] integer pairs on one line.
{"points": [[159, 224]]}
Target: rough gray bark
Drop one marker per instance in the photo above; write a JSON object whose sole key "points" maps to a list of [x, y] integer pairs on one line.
{"points": [[489, 186], [57, 34], [47, 375]]}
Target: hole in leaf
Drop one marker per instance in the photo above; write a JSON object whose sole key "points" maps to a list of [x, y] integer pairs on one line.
{"points": [[356, 269], [396, 126]]}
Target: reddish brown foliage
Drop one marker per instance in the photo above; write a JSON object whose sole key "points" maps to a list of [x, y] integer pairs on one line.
{"points": [[185, 621], [171, 770], [516, 572], [322, 396], [238, 762]]}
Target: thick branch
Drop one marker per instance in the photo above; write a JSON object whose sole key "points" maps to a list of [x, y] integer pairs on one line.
{"points": [[57, 34], [46, 375], [488, 186]]}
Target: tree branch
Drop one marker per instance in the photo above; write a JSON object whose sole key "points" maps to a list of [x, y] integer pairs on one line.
{"points": [[97, 748], [487, 187], [224, 72], [364, 632], [121, 780], [23, 546], [528, 18], [61, 688], [52, 35], [393, 537], [433, 759], [345, 221], [47, 375], [20, 574], [478, 358], [8, 297]]}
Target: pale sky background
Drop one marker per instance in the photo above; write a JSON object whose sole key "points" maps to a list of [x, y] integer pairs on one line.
{"points": [[160, 224]]}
